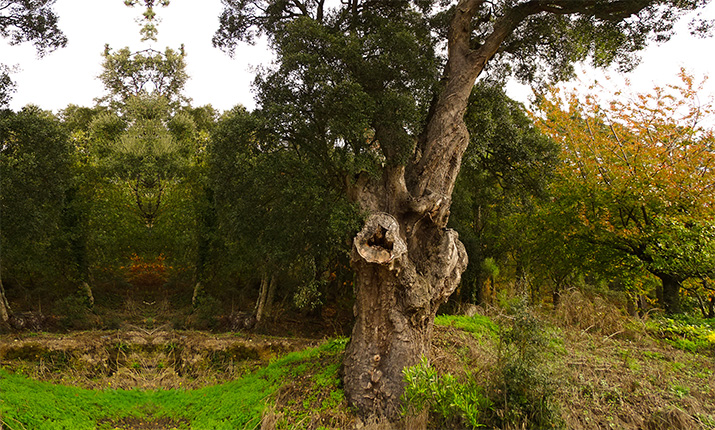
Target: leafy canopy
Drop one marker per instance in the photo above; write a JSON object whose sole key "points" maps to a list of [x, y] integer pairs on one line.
{"points": [[638, 178]]}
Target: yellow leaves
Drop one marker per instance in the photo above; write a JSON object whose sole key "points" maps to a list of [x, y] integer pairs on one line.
{"points": [[654, 145]]}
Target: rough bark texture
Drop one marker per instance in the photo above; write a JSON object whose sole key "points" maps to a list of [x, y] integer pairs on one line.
{"points": [[406, 261], [397, 300]]}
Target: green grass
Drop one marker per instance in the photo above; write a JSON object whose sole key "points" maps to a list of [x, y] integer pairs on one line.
{"points": [[479, 325], [31, 404]]}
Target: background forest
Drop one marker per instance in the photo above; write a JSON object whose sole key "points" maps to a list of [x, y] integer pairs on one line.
{"points": [[144, 212]]}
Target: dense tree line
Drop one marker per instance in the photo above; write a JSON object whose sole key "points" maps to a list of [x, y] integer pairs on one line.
{"points": [[371, 148]]}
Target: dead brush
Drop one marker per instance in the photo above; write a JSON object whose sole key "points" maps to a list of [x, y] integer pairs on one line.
{"points": [[590, 314]]}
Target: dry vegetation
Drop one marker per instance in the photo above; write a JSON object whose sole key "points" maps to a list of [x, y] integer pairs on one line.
{"points": [[605, 369]]}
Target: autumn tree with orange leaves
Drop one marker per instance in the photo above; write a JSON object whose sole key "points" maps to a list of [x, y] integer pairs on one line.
{"points": [[637, 181]]}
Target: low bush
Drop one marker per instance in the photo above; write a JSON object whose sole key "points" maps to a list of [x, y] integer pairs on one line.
{"points": [[520, 392]]}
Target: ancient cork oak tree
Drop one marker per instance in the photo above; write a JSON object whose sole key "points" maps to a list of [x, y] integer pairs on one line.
{"points": [[375, 92]]}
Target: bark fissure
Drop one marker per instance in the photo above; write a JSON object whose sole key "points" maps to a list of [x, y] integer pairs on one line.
{"points": [[395, 307], [406, 261]]}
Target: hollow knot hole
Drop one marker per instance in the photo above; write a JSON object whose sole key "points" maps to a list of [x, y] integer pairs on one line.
{"points": [[379, 239]]}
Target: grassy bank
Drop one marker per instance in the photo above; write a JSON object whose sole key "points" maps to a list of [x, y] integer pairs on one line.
{"points": [[238, 404], [586, 365]]}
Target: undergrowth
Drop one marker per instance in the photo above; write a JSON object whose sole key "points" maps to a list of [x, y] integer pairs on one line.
{"points": [[518, 391], [30, 404], [685, 332]]}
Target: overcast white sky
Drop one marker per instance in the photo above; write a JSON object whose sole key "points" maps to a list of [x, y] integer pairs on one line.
{"points": [[68, 75]]}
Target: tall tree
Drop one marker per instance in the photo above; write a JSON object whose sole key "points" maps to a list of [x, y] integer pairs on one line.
{"points": [[275, 212], [27, 21], [505, 171], [360, 87], [638, 181], [35, 157]]}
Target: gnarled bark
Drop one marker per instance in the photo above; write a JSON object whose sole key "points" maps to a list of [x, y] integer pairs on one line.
{"points": [[399, 291], [406, 261]]}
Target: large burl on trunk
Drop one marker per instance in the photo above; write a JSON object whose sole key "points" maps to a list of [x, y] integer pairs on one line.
{"points": [[407, 262], [403, 275]]}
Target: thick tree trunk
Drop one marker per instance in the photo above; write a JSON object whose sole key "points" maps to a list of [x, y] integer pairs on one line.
{"points": [[406, 261], [5, 310], [398, 293], [670, 293]]}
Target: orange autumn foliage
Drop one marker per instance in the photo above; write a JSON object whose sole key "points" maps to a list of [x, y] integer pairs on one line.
{"points": [[147, 273]]}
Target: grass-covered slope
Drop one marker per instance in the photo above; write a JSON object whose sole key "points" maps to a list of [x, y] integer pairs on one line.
{"points": [[585, 365], [238, 404]]}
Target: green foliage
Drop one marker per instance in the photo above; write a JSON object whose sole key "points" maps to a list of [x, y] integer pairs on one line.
{"points": [[350, 91], [519, 392], [275, 213], [523, 389], [27, 21], [634, 192], [149, 72], [31, 21], [453, 403], [686, 333], [7, 86], [35, 159], [148, 29], [506, 169], [74, 312]]}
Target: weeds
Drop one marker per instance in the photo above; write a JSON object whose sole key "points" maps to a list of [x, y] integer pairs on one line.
{"points": [[452, 404], [519, 391]]}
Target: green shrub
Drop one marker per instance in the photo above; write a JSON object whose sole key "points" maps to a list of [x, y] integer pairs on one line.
{"points": [[451, 403], [522, 389], [685, 333], [517, 393], [74, 313], [479, 325]]}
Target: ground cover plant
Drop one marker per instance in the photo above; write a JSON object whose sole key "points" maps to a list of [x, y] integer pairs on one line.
{"points": [[27, 403], [508, 367]]}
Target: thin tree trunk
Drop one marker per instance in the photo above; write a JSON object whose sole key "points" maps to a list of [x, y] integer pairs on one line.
{"points": [[5, 310], [265, 296], [197, 294], [260, 302], [701, 304], [711, 307], [87, 291], [272, 286]]}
